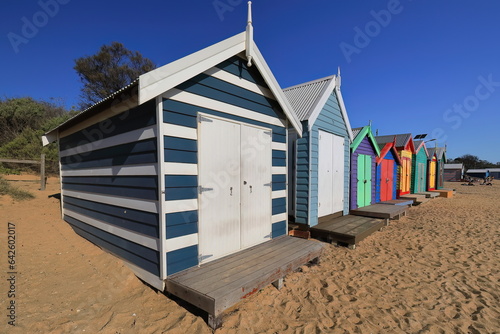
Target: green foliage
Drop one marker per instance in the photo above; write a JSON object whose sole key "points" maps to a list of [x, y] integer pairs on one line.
{"points": [[38, 118], [19, 114], [473, 162], [109, 70], [16, 193]]}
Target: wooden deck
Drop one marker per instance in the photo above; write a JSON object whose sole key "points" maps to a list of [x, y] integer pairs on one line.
{"points": [[346, 229], [218, 285], [429, 194], [407, 202], [417, 199], [381, 211], [446, 193]]}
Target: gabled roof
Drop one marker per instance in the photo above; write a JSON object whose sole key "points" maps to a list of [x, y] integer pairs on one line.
{"points": [[419, 144], [441, 152], [162, 79], [309, 98], [384, 149], [360, 134], [403, 141], [432, 153]]}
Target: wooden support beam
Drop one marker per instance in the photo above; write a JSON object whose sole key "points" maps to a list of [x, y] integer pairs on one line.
{"points": [[278, 284], [42, 172], [21, 161]]}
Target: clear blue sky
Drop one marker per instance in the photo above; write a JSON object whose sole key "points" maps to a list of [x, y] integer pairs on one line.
{"points": [[427, 67]]}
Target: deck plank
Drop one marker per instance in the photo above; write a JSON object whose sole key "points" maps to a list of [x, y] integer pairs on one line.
{"points": [[235, 258], [231, 272], [234, 295], [380, 211], [428, 194], [217, 285], [398, 202], [348, 229]]}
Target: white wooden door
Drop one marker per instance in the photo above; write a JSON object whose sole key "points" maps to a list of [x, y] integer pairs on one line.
{"points": [[330, 173], [219, 182], [338, 174], [256, 178], [325, 174]]}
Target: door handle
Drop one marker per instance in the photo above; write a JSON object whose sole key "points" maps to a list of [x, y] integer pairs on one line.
{"points": [[250, 189], [231, 191]]}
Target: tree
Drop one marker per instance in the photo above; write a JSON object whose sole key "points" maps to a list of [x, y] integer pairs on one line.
{"points": [[109, 70], [20, 114]]}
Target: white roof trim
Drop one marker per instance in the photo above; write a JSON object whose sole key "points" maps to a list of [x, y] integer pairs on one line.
{"points": [[162, 79], [321, 101], [344, 112], [269, 78]]}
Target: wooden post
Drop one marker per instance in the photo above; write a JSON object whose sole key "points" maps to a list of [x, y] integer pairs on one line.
{"points": [[42, 172]]}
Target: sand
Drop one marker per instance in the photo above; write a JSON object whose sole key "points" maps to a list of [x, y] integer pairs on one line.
{"points": [[435, 271]]}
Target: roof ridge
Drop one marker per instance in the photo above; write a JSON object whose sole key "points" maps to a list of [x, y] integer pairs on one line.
{"points": [[310, 82]]}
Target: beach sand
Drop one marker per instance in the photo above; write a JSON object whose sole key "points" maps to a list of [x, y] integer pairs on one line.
{"points": [[434, 271]]}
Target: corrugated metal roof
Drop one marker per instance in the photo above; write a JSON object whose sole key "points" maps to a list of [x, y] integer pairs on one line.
{"points": [[356, 131], [483, 170], [110, 97], [440, 151], [453, 166], [401, 139], [304, 97]]}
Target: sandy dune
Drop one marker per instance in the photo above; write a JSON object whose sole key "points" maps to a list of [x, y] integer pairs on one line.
{"points": [[435, 271]]}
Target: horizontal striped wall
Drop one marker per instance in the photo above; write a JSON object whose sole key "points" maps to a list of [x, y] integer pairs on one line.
{"points": [[110, 185], [330, 120], [233, 91]]}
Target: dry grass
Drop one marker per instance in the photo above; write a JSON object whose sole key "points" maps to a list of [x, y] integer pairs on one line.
{"points": [[14, 192]]}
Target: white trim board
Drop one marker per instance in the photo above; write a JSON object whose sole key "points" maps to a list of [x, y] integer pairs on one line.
{"points": [[124, 138], [181, 242], [178, 131], [204, 102], [238, 81], [177, 168], [133, 236], [180, 205], [141, 205], [133, 170]]}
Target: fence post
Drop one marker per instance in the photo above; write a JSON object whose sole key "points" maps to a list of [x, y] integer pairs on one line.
{"points": [[42, 172]]}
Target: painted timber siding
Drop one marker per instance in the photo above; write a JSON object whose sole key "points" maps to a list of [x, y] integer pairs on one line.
{"points": [[420, 157], [303, 174], [330, 120], [110, 187], [213, 96], [364, 148], [389, 156]]}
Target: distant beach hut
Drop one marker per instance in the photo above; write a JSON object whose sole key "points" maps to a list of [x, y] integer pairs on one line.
{"points": [[440, 153], [453, 172], [432, 166], [484, 172], [388, 164], [319, 170], [406, 148], [364, 154], [419, 168]]}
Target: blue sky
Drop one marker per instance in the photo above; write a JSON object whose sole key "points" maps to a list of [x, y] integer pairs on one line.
{"points": [[416, 66]]}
